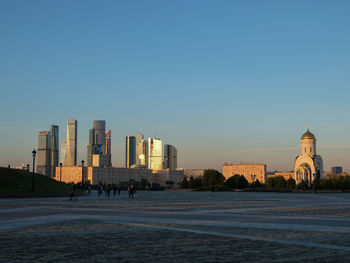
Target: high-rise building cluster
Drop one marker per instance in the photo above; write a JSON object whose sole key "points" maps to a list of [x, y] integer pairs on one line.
{"points": [[140, 153]]}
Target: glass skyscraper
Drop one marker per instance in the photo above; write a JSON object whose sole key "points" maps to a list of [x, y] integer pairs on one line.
{"points": [[97, 142], [130, 151], [170, 157], [71, 154], [155, 154]]}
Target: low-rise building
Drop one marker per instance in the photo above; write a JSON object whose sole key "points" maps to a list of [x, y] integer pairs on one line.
{"points": [[112, 175], [195, 173], [251, 172], [285, 175]]}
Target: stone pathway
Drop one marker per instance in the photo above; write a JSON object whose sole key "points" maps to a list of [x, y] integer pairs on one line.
{"points": [[178, 227]]}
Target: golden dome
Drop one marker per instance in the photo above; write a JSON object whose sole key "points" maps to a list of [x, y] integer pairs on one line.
{"points": [[308, 135]]}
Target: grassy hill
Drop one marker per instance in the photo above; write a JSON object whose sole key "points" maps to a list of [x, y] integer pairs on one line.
{"points": [[18, 181]]}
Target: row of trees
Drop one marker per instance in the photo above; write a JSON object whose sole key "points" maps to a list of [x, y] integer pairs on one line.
{"points": [[215, 180]]}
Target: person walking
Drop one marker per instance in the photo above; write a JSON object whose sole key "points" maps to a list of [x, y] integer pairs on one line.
{"points": [[114, 190], [131, 191]]}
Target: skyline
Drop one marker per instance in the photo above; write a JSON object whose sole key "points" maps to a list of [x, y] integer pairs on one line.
{"points": [[224, 82]]}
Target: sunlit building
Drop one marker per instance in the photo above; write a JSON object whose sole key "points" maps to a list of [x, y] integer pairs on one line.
{"points": [[308, 164], [155, 154], [170, 157], [63, 152], [71, 151], [108, 148], [251, 172], [141, 151], [130, 151]]}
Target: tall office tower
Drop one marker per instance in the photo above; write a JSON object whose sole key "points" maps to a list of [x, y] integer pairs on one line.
{"points": [[108, 148], [97, 141], [100, 132], [130, 151], [143, 153], [63, 152], [71, 155], [44, 152], [139, 138], [170, 157], [155, 154], [54, 148]]}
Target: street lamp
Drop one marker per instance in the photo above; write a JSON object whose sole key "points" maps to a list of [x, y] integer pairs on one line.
{"points": [[34, 154], [82, 172], [60, 171]]}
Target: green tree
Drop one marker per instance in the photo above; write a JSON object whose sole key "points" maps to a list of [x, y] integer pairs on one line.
{"points": [[213, 178], [303, 185], [277, 183], [256, 184], [291, 183], [184, 184], [237, 182]]}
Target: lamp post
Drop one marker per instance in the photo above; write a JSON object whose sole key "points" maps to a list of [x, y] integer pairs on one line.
{"points": [[82, 173], [60, 171], [34, 154]]}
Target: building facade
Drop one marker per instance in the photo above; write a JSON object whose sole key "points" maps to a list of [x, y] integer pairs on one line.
{"points": [[337, 169], [251, 172], [285, 175], [155, 154], [43, 154], [97, 141], [108, 144], [111, 175], [130, 152], [141, 151], [63, 152], [170, 157], [54, 146], [71, 151], [308, 164]]}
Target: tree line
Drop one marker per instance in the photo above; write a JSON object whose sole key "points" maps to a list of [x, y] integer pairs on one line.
{"points": [[214, 180]]}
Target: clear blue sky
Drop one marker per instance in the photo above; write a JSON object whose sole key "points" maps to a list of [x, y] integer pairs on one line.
{"points": [[223, 81]]}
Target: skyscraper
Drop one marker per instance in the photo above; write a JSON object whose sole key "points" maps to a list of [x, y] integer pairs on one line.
{"points": [[130, 151], [63, 152], [44, 152], [155, 154], [143, 153], [54, 137], [170, 157], [108, 148], [100, 132], [71, 155], [140, 151], [97, 142]]}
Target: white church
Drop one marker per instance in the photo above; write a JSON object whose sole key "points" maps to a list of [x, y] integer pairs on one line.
{"points": [[308, 164]]}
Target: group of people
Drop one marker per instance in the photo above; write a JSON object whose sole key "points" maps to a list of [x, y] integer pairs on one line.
{"points": [[107, 189]]}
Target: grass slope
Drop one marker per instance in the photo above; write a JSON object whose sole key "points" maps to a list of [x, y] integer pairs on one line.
{"points": [[18, 181]]}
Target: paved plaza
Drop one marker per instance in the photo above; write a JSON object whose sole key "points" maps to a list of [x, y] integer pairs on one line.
{"points": [[178, 227]]}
